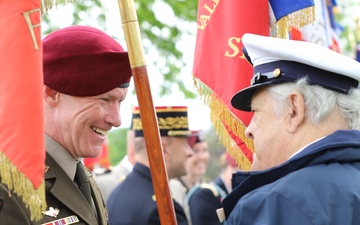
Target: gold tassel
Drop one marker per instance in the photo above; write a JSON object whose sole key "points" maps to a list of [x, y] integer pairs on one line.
{"points": [[48, 4], [17, 182], [296, 19], [220, 114]]}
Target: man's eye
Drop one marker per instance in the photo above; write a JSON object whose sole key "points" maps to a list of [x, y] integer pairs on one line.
{"points": [[105, 99]]}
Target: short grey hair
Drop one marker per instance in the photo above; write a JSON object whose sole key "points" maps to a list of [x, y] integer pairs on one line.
{"points": [[319, 101]]}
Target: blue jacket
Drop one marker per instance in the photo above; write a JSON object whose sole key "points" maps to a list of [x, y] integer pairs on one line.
{"points": [[318, 186], [133, 201]]}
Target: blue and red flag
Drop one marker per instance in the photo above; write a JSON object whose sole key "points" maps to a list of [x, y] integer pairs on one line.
{"points": [[325, 30]]}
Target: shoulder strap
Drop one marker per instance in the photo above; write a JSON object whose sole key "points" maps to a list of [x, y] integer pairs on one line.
{"points": [[213, 187], [191, 192]]}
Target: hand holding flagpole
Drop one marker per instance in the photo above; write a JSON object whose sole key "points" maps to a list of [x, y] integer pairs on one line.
{"points": [[147, 112]]}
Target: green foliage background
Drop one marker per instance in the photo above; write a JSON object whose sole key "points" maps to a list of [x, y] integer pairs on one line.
{"points": [[117, 145]]}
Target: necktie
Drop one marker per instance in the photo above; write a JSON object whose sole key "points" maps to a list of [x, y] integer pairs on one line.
{"points": [[83, 182]]}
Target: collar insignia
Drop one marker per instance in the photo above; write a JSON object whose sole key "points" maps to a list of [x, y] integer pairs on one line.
{"points": [[46, 169]]}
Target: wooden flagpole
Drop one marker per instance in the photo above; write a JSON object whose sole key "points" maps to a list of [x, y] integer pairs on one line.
{"points": [[147, 112]]}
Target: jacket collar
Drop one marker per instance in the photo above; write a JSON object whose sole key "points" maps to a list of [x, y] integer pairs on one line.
{"points": [[79, 206]]}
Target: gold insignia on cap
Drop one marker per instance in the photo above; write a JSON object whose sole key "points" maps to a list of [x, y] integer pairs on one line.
{"points": [[277, 72], [173, 123], [178, 133], [136, 124]]}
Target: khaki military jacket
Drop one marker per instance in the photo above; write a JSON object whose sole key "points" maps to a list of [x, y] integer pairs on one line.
{"points": [[65, 202], [63, 194]]}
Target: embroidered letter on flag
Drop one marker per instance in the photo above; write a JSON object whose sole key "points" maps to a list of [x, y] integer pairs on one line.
{"points": [[22, 152]]}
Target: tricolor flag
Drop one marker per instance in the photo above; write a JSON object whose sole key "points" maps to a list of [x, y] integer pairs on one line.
{"points": [[325, 30], [220, 69], [288, 14], [22, 151]]}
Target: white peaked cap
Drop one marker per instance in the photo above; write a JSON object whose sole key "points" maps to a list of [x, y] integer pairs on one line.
{"points": [[277, 60]]}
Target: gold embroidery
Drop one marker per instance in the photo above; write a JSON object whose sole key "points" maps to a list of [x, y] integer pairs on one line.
{"points": [[168, 123], [31, 26]]}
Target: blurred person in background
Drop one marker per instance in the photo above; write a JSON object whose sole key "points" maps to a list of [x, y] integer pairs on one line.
{"points": [[195, 169], [109, 179], [133, 202], [204, 199]]}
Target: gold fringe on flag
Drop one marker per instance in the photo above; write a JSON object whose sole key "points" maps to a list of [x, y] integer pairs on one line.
{"points": [[48, 4], [17, 182], [220, 114], [296, 19]]}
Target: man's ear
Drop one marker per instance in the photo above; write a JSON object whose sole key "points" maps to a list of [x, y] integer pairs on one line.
{"points": [[50, 96], [296, 111]]}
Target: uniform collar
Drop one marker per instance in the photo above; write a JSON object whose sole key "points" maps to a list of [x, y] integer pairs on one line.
{"points": [[61, 156]]}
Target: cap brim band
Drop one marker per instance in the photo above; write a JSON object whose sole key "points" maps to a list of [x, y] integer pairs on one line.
{"points": [[288, 71]]}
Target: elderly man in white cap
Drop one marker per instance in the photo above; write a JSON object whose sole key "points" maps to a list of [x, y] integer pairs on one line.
{"points": [[305, 129]]}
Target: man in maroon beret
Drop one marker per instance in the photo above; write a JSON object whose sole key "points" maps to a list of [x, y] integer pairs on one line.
{"points": [[86, 77]]}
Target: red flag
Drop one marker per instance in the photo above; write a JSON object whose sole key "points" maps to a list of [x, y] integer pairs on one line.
{"points": [[220, 69], [22, 152], [102, 161], [220, 65]]}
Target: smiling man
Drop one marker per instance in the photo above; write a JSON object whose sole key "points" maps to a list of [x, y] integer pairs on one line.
{"points": [[86, 77]]}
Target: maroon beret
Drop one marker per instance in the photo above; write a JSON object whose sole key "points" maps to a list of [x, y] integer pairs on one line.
{"points": [[84, 61], [195, 137]]}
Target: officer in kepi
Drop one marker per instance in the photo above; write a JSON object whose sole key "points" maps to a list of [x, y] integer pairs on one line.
{"points": [[133, 201], [305, 129]]}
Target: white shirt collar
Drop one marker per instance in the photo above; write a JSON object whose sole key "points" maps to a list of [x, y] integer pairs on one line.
{"points": [[300, 150]]}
